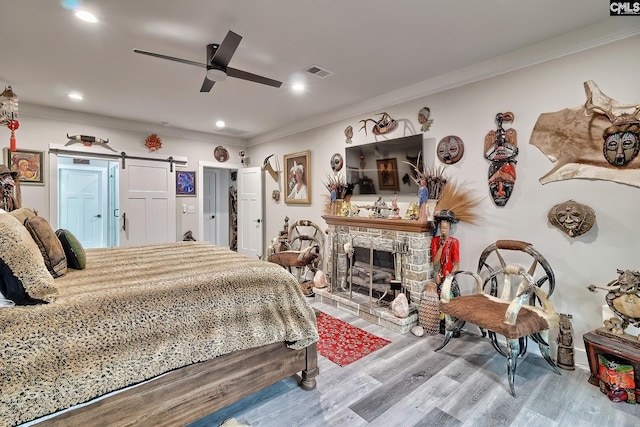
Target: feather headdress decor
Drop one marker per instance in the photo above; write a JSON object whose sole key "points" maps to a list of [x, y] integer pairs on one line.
{"points": [[460, 200]]}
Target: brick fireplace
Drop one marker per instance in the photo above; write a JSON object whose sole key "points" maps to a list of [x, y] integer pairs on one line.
{"points": [[408, 242]]}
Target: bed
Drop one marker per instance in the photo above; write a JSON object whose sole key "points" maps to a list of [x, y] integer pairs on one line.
{"points": [[193, 326]]}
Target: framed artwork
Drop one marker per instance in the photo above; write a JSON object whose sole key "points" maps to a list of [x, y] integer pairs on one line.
{"points": [[388, 174], [185, 183], [298, 169], [28, 163]]}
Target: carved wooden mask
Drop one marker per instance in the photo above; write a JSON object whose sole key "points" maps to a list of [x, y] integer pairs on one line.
{"points": [[572, 218]]}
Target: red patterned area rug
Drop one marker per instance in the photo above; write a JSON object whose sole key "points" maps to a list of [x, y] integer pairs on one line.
{"points": [[344, 344]]}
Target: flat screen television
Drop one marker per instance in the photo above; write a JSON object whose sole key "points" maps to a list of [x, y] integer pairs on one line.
{"points": [[379, 168]]}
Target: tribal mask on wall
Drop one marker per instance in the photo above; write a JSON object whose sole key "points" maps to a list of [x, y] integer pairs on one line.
{"points": [[599, 140], [501, 148], [572, 218]]}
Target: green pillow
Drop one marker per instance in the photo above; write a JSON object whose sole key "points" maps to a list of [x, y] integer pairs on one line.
{"points": [[73, 249]]}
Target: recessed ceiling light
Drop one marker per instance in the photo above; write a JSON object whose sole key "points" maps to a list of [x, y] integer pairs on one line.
{"points": [[298, 87], [86, 16], [76, 96], [220, 123]]}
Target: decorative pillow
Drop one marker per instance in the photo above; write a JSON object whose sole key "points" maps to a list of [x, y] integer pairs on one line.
{"points": [[73, 250], [23, 214], [49, 244], [24, 277]]}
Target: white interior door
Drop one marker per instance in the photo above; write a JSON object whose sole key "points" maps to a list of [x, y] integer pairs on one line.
{"points": [[83, 210], [211, 216], [250, 210], [147, 203]]}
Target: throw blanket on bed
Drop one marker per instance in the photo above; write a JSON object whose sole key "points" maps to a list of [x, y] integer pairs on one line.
{"points": [[138, 312]]}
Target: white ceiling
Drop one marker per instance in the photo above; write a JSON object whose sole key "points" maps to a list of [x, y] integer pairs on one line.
{"points": [[391, 50]]}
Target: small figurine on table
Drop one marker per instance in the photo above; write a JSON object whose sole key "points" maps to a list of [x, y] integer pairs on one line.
{"points": [[423, 195]]}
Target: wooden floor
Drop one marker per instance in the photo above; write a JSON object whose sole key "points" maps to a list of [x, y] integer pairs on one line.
{"points": [[407, 384]]}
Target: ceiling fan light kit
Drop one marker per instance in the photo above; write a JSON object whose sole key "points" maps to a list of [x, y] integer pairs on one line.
{"points": [[218, 57]]}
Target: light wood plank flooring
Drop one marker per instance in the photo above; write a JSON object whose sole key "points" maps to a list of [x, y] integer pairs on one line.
{"points": [[407, 384]]}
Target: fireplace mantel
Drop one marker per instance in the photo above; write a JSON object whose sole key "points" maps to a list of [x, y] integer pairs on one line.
{"points": [[380, 223]]}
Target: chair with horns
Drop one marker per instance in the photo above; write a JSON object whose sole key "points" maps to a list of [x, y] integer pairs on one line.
{"points": [[514, 317]]}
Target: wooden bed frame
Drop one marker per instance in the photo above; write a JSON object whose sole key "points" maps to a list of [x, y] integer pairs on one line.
{"points": [[192, 392]]}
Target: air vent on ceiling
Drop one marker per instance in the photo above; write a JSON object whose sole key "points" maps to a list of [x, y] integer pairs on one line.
{"points": [[230, 131], [318, 71]]}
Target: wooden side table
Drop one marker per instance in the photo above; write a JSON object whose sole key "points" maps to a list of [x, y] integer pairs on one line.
{"points": [[599, 342]]}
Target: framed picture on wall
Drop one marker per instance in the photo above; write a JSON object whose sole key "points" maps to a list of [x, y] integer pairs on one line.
{"points": [[298, 185], [388, 174], [185, 183], [28, 163]]}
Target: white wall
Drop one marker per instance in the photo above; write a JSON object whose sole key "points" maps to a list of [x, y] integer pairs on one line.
{"points": [[40, 127], [469, 112]]}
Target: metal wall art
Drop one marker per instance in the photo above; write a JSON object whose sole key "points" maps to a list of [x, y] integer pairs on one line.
{"points": [[572, 218], [501, 149], [450, 149], [599, 140]]}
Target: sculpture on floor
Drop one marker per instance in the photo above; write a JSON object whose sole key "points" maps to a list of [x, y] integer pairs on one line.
{"points": [[599, 140], [565, 358]]}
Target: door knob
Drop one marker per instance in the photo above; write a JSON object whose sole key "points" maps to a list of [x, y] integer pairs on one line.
{"points": [[213, 216], [98, 216]]}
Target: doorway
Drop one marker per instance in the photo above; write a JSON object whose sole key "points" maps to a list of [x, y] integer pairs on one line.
{"points": [[88, 200], [216, 208]]}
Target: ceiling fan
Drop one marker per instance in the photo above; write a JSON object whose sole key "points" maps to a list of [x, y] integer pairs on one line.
{"points": [[218, 57]]}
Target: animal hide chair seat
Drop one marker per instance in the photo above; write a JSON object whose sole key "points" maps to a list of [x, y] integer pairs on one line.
{"points": [[513, 318]]}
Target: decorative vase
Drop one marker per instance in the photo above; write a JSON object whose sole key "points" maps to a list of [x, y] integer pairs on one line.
{"points": [[429, 309]]}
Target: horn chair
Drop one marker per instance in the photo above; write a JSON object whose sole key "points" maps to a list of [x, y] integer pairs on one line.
{"points": [[507, 310]]}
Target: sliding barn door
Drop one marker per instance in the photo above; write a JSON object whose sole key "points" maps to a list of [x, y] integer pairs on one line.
{"points": [[147, 203]]}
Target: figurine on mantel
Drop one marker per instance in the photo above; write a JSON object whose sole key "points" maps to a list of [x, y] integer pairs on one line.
{"points": [[423, 196], [395, 210]]}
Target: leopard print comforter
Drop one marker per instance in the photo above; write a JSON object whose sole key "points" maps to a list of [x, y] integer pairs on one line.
{"points": [[137, 312]]}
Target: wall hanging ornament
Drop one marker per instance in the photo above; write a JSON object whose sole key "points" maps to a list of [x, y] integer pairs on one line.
{"points": [[337, 162], [598, 140], [572, 218], [381, 127], [450, 149], [153, 142], [424, 118], [9, 114], [501, 149], [221, 154], [274, 173], [348, 132], [88, 141]]}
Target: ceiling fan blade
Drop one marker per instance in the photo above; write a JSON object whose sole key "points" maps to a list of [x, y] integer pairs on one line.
{"points": [[226, 50], [207, 85], [170, 58], [234, 72]]}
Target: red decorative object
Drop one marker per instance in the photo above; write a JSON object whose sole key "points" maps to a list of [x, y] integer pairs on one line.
{"points": [[13, 126], [344, 344], [153, 142]]}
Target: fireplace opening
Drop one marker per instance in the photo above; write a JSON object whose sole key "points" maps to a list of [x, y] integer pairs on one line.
{"points": [[359, 272]]}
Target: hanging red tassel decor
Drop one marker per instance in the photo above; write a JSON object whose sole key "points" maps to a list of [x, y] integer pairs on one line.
{"points": [[13, 126]]}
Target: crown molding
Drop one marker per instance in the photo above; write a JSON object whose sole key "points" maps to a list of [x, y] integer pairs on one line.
{"points": [[60, 114], [601, 33]]}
